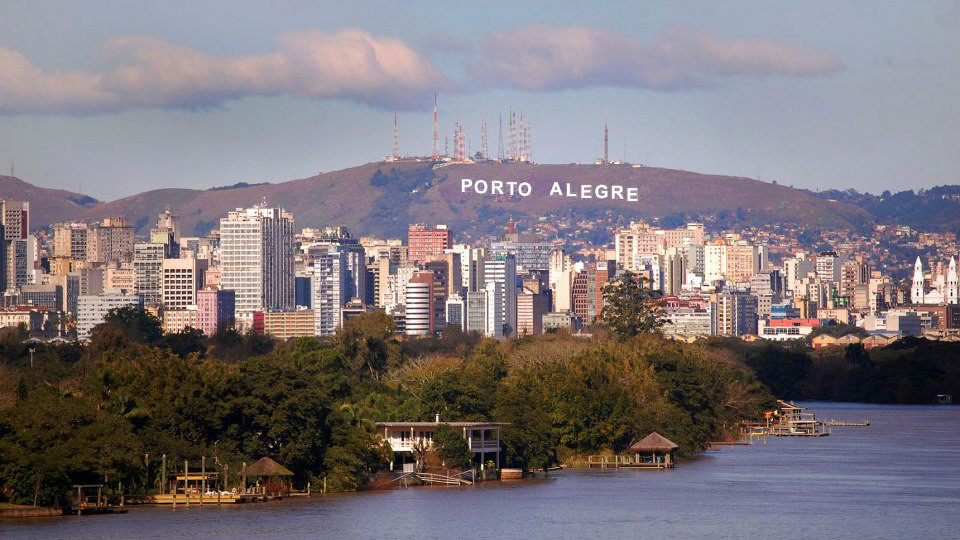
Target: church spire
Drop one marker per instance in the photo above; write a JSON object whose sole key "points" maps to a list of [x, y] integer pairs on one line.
{"points": [[917, 291]]}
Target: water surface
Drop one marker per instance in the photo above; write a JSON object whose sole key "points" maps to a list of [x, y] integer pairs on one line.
{"points": [[898, 478]]}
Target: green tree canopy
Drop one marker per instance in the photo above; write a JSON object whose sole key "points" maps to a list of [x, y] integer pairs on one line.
{"points": [[630, 308]]}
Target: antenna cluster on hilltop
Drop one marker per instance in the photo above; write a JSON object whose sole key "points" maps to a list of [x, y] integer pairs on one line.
{"points": [[519, 148]]}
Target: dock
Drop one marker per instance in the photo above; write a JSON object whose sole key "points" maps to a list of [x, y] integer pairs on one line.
{"points": [[625, 462], [838, 423]]}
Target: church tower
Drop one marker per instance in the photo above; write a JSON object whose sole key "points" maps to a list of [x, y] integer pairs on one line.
{"points": [[952, 295], [916, 292]]}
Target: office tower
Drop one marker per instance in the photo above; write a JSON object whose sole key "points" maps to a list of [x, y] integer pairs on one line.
{"points": [[714, 262], [93, 310], [303, 283], [49, 295], [330, 289], [587, 290], [424, 240], [829, 266], [503, 270], [256, 259], [148, 270], [110, 240], [741, 262], [496, 326], [356, 260], [70, 240], [215, 309], [530, 252], [476, 311], [180, 281], [736, 313], [531, 307], [674, 271], [91, 281], [456, 312], [420, 304]]}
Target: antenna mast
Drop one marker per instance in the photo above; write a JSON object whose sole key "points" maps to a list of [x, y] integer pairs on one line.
{"points": [[500, 143], [483, 139], [606, 145], [396, 140], [436, 131]]}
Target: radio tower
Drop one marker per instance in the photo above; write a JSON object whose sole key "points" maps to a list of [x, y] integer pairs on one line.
{"points": [[458, 143], [512, 137], [436, 131], [396, 140], [527, 140], [483, 139], [606, 147], [500, 140]]}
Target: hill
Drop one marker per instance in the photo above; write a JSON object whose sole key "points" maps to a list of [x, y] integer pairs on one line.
{"points": [[936, 209], [382, 198], [46, 205]]}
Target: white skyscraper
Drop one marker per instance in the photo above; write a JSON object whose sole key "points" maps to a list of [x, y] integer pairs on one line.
{"points": [[330, 290], [256, 259], [503, 270]]}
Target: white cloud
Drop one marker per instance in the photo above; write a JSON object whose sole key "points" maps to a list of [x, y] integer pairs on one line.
{"points": [[556, 58], [150, 72]]}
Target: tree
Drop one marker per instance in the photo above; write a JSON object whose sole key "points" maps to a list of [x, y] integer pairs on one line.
{"points": [[630, 308], [450, 446]]}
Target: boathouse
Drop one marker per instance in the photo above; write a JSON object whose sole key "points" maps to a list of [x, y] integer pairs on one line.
{"points": [[274, 478], [483, 439], [655, 450]]}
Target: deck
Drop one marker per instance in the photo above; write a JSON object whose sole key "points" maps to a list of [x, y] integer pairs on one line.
{"points": [[625, 462]]}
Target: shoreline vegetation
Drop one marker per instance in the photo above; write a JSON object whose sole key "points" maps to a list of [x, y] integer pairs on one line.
{"points": [[105, 412]]}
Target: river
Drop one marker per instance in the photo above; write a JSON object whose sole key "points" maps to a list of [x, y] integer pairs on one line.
{"points": [[898, 478]]}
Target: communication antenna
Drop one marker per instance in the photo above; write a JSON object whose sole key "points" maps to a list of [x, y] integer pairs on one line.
{"points": [[500, 144], [396, 139], [606, 146], [483, 139], [436, 130]]}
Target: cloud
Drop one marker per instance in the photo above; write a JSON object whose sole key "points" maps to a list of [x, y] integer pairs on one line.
{"points": [[148, 72], [540, 58]]}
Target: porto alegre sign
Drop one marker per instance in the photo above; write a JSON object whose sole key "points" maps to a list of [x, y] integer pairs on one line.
{"points": [[557, 189]]}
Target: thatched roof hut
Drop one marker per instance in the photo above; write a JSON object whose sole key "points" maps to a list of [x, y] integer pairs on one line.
{"points": [[654, 442], [266, 467]]}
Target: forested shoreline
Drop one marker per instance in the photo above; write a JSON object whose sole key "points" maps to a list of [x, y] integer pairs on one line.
{"points": [[98, 413], [106, 411]]}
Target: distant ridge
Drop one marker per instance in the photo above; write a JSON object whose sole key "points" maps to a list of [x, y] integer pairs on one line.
{"points": [[46, 205], [383, 198]]}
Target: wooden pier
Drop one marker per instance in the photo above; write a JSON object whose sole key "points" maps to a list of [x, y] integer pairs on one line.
{"points": [[838, 423], [625, 462]]}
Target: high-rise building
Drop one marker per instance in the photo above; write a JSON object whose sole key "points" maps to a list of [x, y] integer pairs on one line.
{"points": [[587, 290], [70, 240], [736, 313], [476, 311], [531, 253], [495, 327], [93, 310], [420, 304], [215, 309], [148, 271], [256, 259], [503, 270], [330, 289], [180, 281], [531, 307], [110, 240], [425, 240], [456, 312]]}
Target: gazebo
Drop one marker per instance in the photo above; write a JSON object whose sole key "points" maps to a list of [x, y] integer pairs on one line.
{"points": [[276, 477], [654, 450]]}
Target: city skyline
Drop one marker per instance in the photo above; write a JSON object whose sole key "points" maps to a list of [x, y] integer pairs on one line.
{"points": [[139, 98]]}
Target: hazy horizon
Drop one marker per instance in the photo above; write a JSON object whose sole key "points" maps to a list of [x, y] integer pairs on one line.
{"points": [[116, 98]]}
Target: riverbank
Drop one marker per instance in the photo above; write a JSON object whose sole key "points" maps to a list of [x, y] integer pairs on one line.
{"points": [[11, 511], [895, 479]]}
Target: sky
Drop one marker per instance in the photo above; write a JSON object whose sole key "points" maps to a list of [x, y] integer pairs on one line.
{"points": [[114, 98]]}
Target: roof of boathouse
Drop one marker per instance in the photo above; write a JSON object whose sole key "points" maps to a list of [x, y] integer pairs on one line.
{"points": [[654, 442]]}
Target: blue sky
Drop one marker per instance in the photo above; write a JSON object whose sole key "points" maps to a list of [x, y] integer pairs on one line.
{"points": [[121, 97]]}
